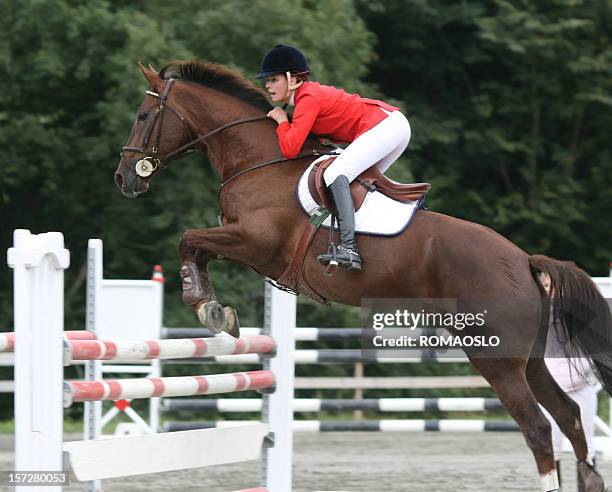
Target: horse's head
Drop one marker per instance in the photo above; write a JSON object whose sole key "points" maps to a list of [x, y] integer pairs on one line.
{"points": [[157, 137]]}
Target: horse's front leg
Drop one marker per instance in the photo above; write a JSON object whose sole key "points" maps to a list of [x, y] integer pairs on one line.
{"points": [[196, 249]]}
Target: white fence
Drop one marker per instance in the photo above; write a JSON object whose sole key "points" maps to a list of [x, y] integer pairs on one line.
{"points": [[39, 262]]}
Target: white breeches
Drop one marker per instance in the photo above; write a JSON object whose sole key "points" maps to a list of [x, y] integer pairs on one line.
{"points": [[379, 146], [586, 397]]}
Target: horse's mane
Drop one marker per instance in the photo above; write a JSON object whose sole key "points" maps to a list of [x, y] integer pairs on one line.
{"points": [[218, 77]]}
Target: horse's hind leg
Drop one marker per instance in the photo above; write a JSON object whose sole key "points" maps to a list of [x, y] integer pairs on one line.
{"points": [[561, 407], [566, 413], [507, 377]]}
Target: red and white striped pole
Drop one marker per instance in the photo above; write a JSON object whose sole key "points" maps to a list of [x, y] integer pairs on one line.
{"points": [[129, 389], [7, 339], [126, 351]]}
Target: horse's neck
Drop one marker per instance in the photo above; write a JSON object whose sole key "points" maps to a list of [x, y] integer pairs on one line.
{"points": [[237, 147]]}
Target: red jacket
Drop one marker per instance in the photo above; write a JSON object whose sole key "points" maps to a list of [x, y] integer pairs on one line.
{"points": [[328, 112]]}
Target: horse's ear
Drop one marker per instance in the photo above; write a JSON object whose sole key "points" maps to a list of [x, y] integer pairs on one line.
{"points": [[151, 75]]}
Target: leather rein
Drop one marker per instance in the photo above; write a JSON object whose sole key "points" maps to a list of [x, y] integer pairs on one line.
{"points": [[151, 162]]}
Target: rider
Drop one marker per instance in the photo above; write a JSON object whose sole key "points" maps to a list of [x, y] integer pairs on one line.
{"points": [[377, 132]]}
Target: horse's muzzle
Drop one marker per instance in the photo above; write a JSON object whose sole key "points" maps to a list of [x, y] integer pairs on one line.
{"points": [[130, 184]]}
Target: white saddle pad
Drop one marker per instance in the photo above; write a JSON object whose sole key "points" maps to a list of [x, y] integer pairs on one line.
{"points": [[379, 215]]}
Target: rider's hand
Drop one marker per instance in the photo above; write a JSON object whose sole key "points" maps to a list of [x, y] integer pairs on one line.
{"points": [[278, 114]]}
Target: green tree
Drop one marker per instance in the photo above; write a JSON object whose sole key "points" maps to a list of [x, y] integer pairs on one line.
{"points": [[71, 90], [510, 108]]}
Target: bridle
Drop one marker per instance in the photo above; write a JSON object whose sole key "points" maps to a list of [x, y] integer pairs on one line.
{"points": [[152, 161]]}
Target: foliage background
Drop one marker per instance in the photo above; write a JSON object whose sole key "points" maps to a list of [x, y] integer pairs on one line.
{"points": [[509, 103]]}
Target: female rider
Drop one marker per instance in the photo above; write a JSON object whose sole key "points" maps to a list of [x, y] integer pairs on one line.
{"points": [[377, 133]]}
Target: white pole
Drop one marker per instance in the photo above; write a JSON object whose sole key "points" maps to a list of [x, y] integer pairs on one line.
{"points": [[92, 410], [155, 403], [280, 312], [39, 262]]}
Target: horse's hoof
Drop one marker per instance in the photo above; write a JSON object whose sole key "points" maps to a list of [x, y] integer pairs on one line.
{"points": [[589, 480], [212, 316], [232, 325], [218, 319]]}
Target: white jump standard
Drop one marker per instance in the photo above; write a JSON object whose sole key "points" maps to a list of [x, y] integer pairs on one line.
{"points": [[39, 262]]}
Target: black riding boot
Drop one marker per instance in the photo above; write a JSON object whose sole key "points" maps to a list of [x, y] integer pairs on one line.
{"points": [[346, 254]]}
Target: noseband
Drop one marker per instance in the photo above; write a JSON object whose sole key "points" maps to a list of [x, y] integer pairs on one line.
{"points": [[149, 164]]}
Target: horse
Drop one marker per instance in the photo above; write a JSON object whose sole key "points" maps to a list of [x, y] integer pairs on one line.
{"points": [[207, 107]]}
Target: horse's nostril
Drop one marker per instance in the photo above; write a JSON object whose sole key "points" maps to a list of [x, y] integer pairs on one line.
{"points": [[119, 180]]}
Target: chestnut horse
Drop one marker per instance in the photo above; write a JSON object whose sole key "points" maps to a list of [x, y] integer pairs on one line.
{"points": [[212, 109]]}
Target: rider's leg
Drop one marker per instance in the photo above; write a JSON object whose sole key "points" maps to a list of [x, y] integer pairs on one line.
{"points": [[401, 122], [385, 141], [586, 397], [557, 441], [381, 145], [346, 254]]}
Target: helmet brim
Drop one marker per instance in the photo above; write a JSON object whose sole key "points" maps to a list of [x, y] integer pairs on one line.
{"points": [[268, 73]]}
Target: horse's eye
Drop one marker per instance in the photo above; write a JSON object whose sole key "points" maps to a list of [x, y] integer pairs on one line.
{"points": [[142, 116]]}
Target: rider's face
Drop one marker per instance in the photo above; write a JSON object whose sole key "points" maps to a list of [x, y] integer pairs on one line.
{"points": [[276, 85], [545, 281]]}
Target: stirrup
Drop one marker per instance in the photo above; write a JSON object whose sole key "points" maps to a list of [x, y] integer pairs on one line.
{"points": [[342, 256], [329, 259]]}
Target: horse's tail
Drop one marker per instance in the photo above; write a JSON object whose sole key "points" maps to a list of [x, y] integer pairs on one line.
{"points": [[583, 313]]}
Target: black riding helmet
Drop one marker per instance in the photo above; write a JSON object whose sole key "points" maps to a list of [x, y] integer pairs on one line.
{"points": [[283, 58]]}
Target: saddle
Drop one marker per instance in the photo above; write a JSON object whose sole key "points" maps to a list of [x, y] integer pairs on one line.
{"points": [[368, 181], [292, 278]]}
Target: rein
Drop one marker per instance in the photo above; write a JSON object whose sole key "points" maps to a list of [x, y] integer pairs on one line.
{"points": [[216, 130], [314, 153]]}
